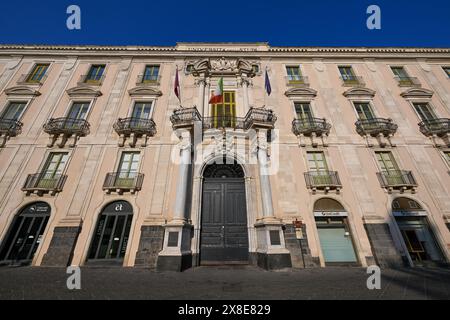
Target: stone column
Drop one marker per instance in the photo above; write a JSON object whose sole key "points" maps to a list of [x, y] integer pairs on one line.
{"points": [[176, 254], [271, 251], [201, 94], [245, 82]]}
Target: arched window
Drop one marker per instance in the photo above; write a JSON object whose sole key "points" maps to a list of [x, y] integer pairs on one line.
{"points": [[328, 205], [112, 231], [25, 234]]}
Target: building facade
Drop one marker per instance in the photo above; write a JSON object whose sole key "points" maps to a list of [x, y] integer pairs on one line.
{"points": [[314, 157]]}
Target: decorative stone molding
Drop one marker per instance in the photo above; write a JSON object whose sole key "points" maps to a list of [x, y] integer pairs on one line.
{"points": [[221, 66], [144, 91], [22, 91], [83, 92], [359, 93], [417, 93], [301, 92]]}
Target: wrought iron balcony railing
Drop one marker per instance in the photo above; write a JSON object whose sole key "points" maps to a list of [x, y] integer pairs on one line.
{"points": [[10, 127], [137, 126], [297, 80], [32, 78], [147, 79], [44, 183], [185, 117], [326, 180], [376, 126], [397, 179], [95, 80], [259, 118], [67, 126], [310, 125], [439, 127], [123, 181], [353, 81], [408, 81], [223, 122]]}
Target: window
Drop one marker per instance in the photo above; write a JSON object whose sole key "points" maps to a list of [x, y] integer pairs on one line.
{"points": [[389, 168], [150, 74], [37, 73], [447, 71], [53, 169], [95, 73], [141, 110], [364, 111], [78, 110], [303, 110], [424, 111], [447, 157], [224, 113], [347, 73], [316, 161], [14, 110], [399, 72], [294, 73], [128, 169]]}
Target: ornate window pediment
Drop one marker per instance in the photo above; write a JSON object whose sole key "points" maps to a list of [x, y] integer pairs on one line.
{"points": [[144, 91], [359, 93], [22, 91], [222, 66], [417, 93], [301, 92], [83, 92]]}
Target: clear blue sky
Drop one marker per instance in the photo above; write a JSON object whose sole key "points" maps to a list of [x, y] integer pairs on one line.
{"points": [[280, 22]]}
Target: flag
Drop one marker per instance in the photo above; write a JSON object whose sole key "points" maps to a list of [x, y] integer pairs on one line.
{"points": [[267, 84], [176, 86], [217, 96]]}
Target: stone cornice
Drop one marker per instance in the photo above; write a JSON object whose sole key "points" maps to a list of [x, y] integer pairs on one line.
{"points": [[297, 52]]}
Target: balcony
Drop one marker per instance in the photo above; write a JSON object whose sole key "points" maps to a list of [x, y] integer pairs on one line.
{"points": [[323, 180], [408, 82], [31, 78], [256, 118], [9, 128], [134, 128], [86, 79], [397, 180], [66, 128], [41, 183], [121, 182], [312, 128], [148, 80], [436, 128], [352, 81], [375, 127], [185, 118], [297, 81]]}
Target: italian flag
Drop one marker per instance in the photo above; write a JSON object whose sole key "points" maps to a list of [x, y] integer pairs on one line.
{"points": [[217, 96]]}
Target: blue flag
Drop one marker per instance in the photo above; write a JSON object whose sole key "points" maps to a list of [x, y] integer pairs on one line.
{"points": [[267, 85]]}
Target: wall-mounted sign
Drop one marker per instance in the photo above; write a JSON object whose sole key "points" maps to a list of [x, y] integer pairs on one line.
{"points": [[409, 213], [330, 214]]}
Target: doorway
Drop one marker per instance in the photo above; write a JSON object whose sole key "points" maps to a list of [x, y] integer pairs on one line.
{"points": [[25, 234], [224, 234]]}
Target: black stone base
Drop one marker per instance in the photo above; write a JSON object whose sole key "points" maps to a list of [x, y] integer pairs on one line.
{"points": [[383, 247], [274, 261], [299, 248], [150, 244], [62, 246], [174, 263]]}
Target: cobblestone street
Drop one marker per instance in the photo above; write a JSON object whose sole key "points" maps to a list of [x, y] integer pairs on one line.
{"points": [[223, 283]]}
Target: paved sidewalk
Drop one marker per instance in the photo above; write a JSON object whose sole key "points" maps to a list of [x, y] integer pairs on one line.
{"points": [[223, 283]]}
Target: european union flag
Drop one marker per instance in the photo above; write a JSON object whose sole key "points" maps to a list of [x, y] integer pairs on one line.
{"points": [[267, 85]]}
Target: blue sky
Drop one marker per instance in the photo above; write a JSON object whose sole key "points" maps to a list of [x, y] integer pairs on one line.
{"points": [[280, 22]]}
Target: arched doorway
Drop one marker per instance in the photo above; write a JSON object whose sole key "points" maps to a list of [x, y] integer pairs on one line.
{"points": [[416, 233], [25, 234], [334, 232], [110, 239], [224, 234]]}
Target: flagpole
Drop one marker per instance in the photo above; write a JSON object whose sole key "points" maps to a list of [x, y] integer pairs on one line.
{"points": [[265, 91]]}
